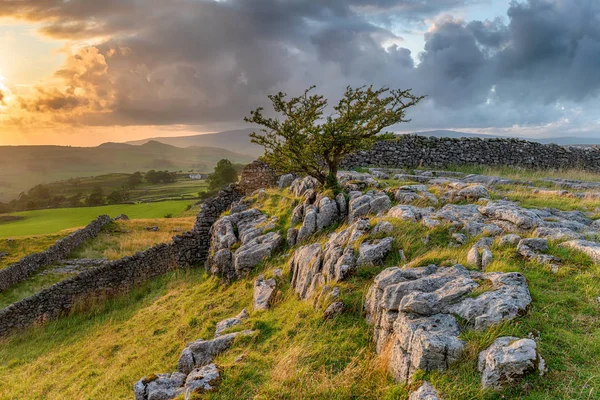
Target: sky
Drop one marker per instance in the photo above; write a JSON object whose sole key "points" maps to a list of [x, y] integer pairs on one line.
{"points": [[83, 72]]}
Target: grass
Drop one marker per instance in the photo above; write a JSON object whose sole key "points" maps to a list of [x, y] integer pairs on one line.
{"points": [[41, 222], [98, 353], [20, 247], [535, 175], [120, 239], [183, 188]]}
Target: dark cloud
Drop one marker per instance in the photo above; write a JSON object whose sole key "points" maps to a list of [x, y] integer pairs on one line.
{"points": [[203, 62]]}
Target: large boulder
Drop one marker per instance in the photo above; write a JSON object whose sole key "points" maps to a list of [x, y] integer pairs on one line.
{"points": [[507, 360], [313, 265], [507, 211], [247, 229], [413, 312]]}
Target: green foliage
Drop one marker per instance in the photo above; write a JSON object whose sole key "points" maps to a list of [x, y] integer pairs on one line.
{"points": [[305, 142], [134, 180], [155, 177], [96, 198], [117, 196], [225, 173]]}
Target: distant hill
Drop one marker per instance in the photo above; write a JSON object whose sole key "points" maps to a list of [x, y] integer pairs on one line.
{"points": [[22, 167], [236, 140]]}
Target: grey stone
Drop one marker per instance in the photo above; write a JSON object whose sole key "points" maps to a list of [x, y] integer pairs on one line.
{"points": [[473, 257], [229, 322], [486, 258], [425, 392], [160, 387], [424, 343], [292, 234], [507, 211], [511, 239], [592, 249], [264, 291], [252, 253], [309, 225], [202, 352], [383, 227], [374, 251], [412, 310], [300, 185], [333, 310], [340, 200], [327, 213], [508, 360], [285, 181], [202, 380]]}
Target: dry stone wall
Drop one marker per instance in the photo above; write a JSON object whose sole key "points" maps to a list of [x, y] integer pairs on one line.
{"points": [[190, 248], [414, 151], [30, 264], [257, 175]]}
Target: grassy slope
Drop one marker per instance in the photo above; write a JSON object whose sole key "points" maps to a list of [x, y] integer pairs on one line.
{"points": [[99, 354], [22, 167], [39, 222]]}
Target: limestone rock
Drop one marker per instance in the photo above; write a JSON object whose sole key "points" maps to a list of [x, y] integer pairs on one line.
{"points": [[592, 249], [160, 387], [384, 227], [309, 224], [486, 258], [374, 251], [508, 211], [507, 360], [300, 185], [264, 290], [413, 311], [333, 310], [530, 249], [202, 352], [285, 181], [425, 392], [251, 254], [511, 239], [292, 235], [202, 380], [229, 322], [424, 343]]}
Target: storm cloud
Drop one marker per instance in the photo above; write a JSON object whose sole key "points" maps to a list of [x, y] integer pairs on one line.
{"points": [[201, 62]]}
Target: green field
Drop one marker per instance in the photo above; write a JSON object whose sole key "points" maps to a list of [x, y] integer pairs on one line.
{"points": [[184, 187], [41, 222]]}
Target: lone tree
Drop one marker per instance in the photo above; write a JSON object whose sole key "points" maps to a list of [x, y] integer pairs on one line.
{"points": [[303, 141]]}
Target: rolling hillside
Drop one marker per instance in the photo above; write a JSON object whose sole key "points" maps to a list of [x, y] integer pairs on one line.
{"points": [[22, 167], [236, 140]]}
